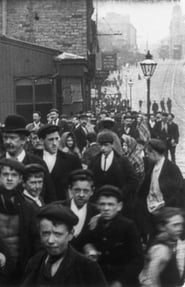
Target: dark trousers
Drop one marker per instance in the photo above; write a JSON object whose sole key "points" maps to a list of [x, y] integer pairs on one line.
{"points": [[171, 151]]}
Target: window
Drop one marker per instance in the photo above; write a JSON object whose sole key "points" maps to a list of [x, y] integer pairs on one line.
{"points": [[32, 95]]}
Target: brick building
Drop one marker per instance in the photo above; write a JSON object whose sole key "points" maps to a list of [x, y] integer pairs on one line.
{"points": [[59, 25]]}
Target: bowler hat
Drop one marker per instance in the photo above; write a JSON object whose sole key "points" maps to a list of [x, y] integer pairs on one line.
{"points": [[14, 164], [105, 137], [15, 124], [157, 145], [80, 174], [59, 212], [47, 129], [109, 190], [54, 110]]}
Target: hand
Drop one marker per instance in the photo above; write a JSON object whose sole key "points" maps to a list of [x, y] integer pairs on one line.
{"points": [[116, 284], [94, 221], [2, 260], [91, 252]]}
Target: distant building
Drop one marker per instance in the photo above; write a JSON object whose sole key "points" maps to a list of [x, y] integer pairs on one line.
{"points": [[177, 34]]}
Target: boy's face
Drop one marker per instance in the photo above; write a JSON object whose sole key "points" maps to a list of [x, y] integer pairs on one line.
{"points": [[9, 178], [34, 185]]}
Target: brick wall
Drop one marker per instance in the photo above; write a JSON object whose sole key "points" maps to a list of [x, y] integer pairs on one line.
{"points": [[60, 24]]}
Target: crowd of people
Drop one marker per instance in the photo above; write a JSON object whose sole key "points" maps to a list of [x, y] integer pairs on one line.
{"points": [[91, 200]]}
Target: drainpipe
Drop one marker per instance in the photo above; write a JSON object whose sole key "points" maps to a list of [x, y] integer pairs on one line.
{"points": [[4, 17]]}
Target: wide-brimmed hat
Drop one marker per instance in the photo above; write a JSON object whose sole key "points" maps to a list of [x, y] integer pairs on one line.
{"points": [[15, 124]]}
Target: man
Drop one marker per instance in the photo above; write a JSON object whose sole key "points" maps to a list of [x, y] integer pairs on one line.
{"points": [[163, 185], [109, 168], [36, 124], [33, 184], [55, 120], [173, 136], [81, 188], [164, 266], [59, 163], [81, 132], [161, 129], [129, 127], [114, 238], [60, 264], [18, 229], [14, 138]]}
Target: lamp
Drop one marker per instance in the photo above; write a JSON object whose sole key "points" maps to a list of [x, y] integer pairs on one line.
{"points": [[130, 83], [148, 67]]}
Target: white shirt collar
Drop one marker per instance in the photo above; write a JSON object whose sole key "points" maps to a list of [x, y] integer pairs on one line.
{"points": [[49, 159], [81, 214], [109, 160], [19, 157]]}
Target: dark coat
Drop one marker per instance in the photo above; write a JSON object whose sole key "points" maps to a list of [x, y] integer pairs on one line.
{"points": [[81, 137], [172, 186], [29, 242], [120, 250], [160, 134], [79, 241], [65, 163], [75, 271], [120, 174], [173, 132]]}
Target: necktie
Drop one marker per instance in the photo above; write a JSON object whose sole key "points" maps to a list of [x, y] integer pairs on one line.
{"points": [[48, 265], [105, 163]]}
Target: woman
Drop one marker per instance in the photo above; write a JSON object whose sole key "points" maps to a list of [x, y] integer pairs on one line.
{"points": [[68, 144], [134, 152]]}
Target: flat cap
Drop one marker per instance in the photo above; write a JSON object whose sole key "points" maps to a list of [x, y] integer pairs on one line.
{"points": [[80, 174], [47, 129], [109, 190], [105, 137], [14, 164], [157, 145], [56, 211], [34, 168]]}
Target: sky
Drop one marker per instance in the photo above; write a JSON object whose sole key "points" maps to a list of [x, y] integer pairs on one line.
{"points": [[151, 20]]}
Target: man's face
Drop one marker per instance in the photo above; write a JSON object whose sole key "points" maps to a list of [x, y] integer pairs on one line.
{"points": [[158, 117], [36, 117], [109, 207], [81, 191], [35, 141], [13, 143], [128, 122], [170, 118], [165, 119], [83, 122], [55, 238], [151, 154], [53, 116], [9, 178], [106, 148], [174, 227], [51, 142], [34, 185]]}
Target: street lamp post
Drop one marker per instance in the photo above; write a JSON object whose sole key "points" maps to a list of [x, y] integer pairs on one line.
{"points": [[148, 67], [130, 83]]}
